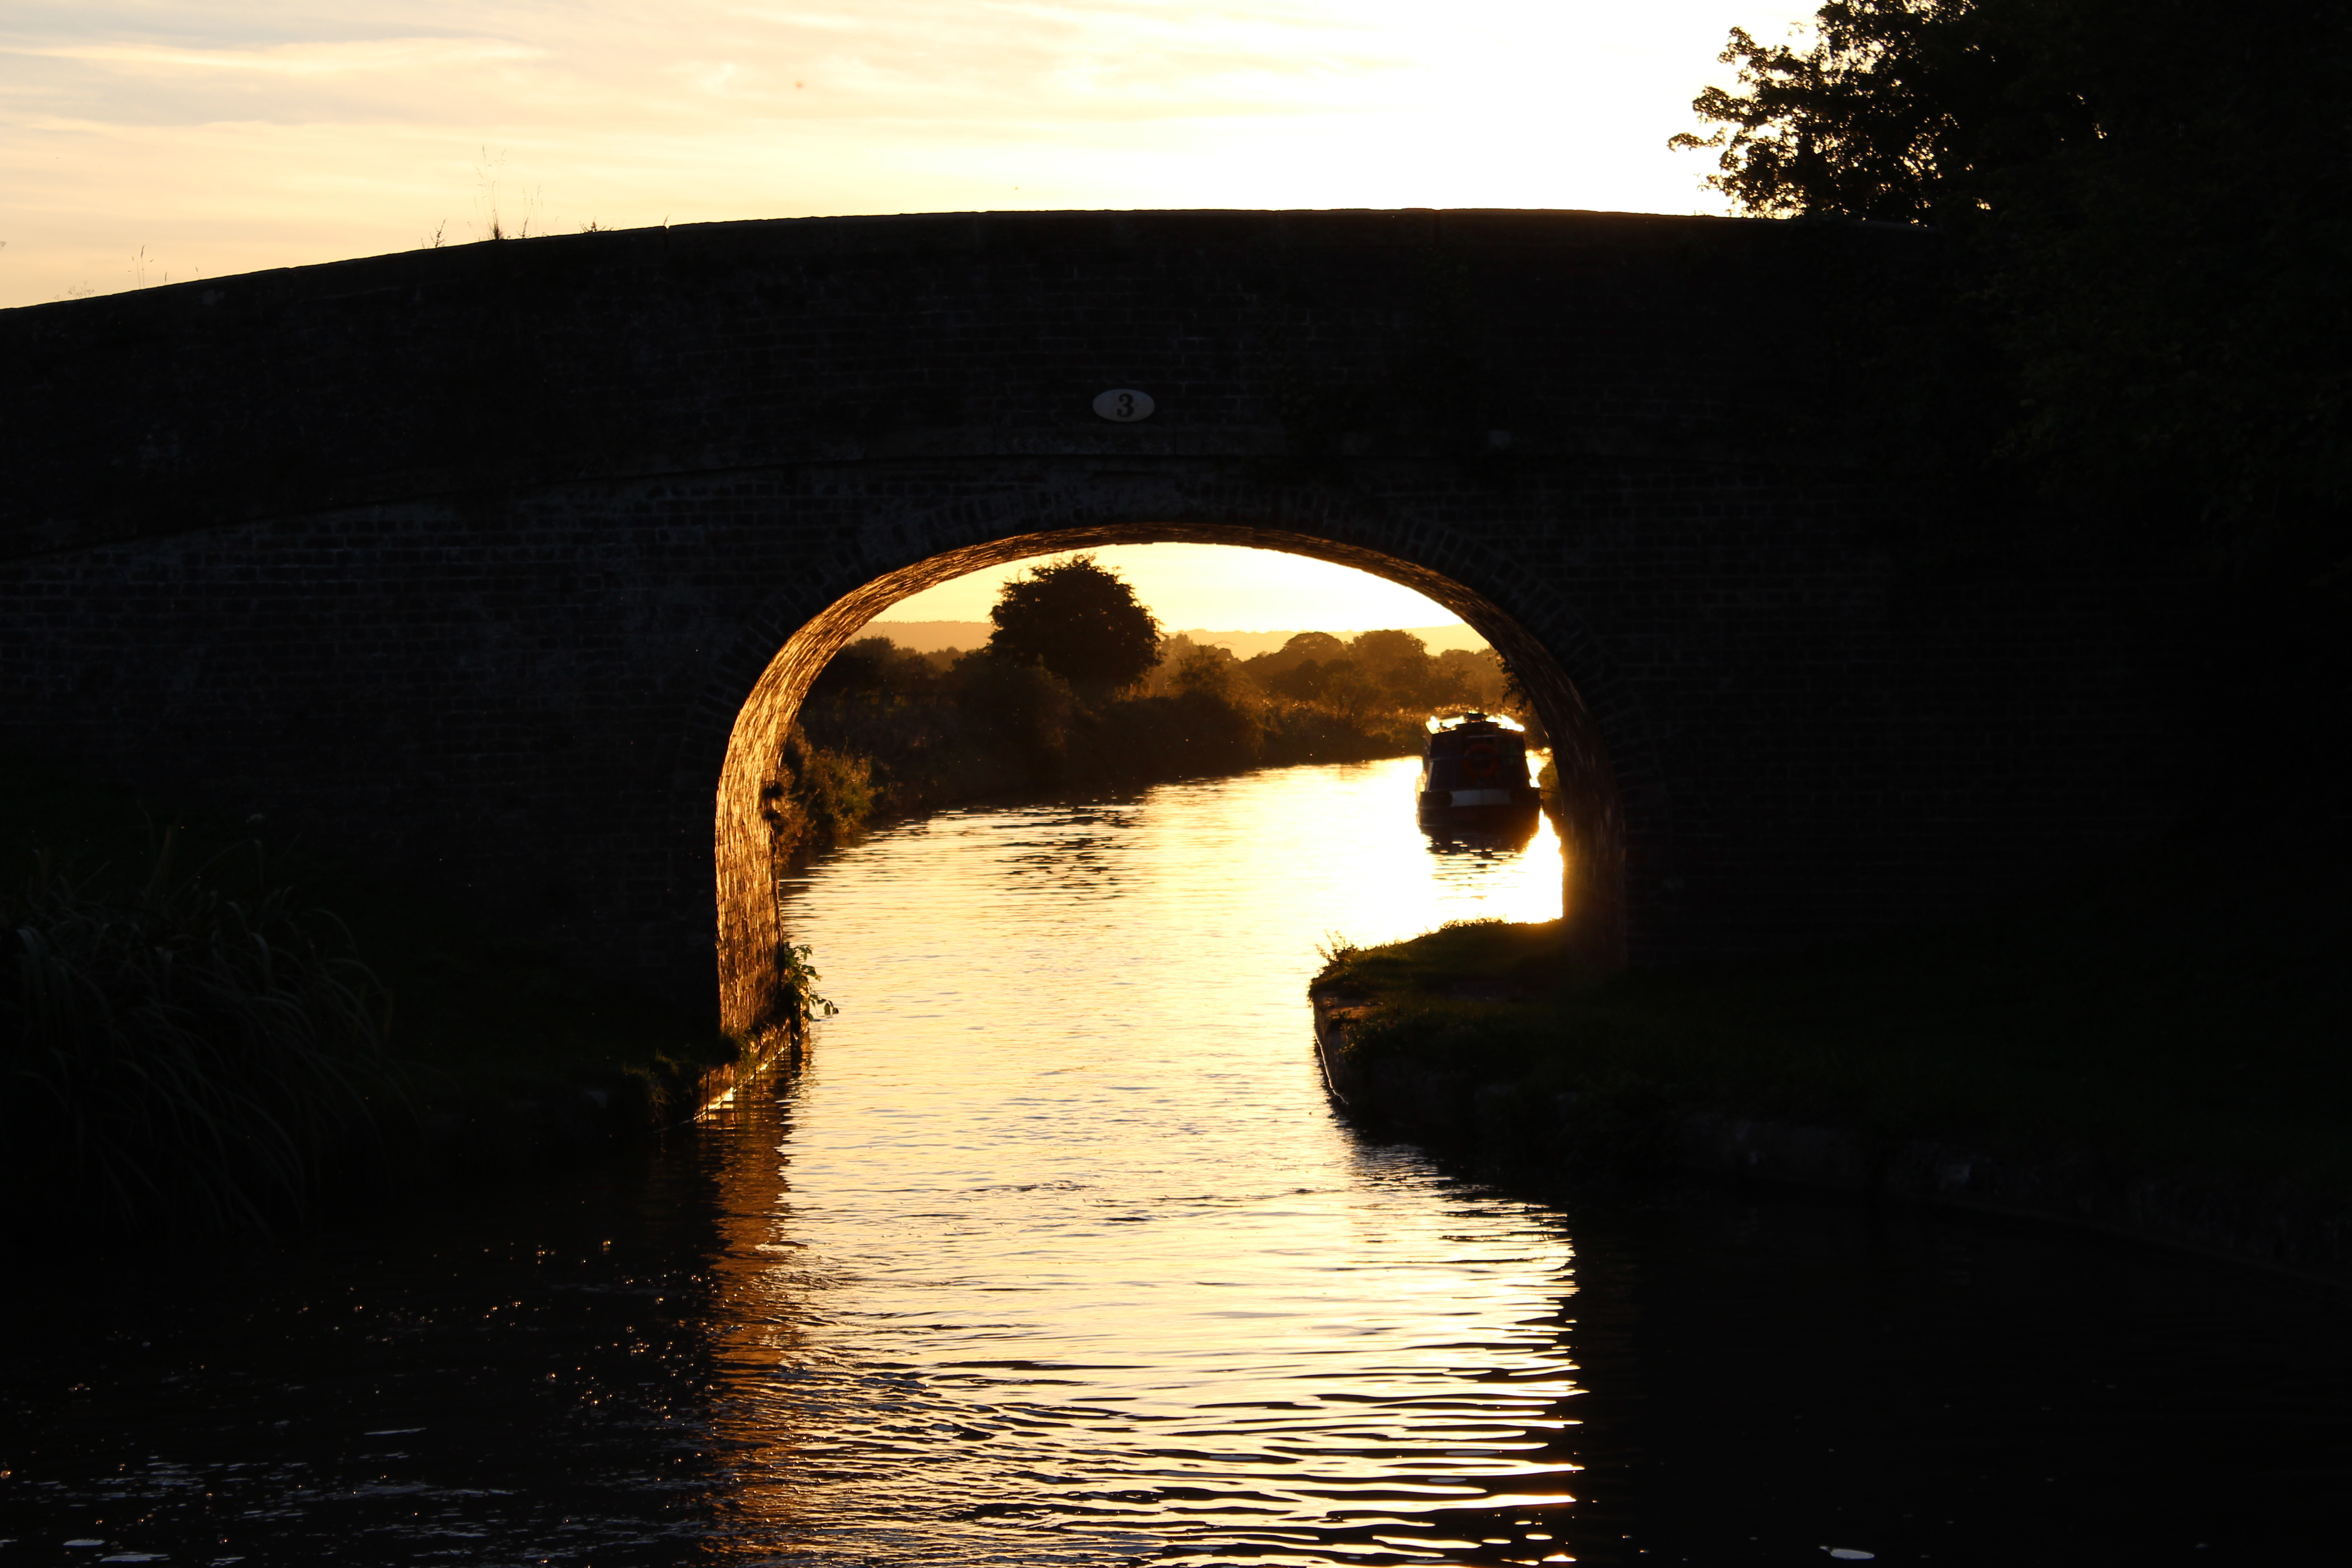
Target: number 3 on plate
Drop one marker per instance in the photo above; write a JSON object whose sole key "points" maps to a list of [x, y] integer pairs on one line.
{"points": [[1124, 405]]}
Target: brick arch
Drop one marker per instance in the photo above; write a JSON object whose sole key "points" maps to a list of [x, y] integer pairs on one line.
{"points": [[746, 854]]}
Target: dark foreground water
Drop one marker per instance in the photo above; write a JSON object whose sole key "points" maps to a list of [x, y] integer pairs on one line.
{"points": [[1057, 1254]]}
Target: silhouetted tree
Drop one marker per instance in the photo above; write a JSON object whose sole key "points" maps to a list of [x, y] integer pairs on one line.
{"points": [[1462, 677], [1395, 665], [1322, 646], [1079, 620], [1214, 671], [2135, 199], [875, 666], [1897, 111], [1217, 708], [1297, 669]]}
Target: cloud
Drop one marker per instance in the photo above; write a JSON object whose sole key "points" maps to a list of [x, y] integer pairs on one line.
{"points": [[292, 60]]}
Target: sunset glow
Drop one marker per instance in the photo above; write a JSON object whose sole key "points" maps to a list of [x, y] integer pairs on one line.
{"points": [[1213, 585], [141, 142]]}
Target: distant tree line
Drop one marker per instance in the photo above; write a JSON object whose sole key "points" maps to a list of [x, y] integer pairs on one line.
{"points": [[1077, 688], [1370, 675]]}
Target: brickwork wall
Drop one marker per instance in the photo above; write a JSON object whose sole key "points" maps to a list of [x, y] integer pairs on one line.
{"points": [[471, 560]]}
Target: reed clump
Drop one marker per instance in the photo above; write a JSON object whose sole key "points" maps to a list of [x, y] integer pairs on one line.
{"points": [[180, 1061]]}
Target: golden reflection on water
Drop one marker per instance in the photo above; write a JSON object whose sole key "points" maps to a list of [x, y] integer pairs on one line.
{"points": [[1056, 1252], [1056, 1255]]}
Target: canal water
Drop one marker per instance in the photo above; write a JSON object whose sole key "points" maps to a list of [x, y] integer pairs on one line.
{"points": [[1056, 1254]]}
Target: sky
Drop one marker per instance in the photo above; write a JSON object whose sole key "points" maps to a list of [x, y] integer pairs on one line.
{"points": [[1215, 586], [149, 141]]}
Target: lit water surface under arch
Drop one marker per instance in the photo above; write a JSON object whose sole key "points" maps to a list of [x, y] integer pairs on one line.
{"points": [[1056, 1254], [1065, 1165]]}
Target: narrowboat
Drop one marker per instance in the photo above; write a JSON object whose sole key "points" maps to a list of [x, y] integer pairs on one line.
{"points": [[1474, 774]]}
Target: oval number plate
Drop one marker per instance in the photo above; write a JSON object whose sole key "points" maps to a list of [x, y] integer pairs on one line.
{"points": [[1124, 405]]}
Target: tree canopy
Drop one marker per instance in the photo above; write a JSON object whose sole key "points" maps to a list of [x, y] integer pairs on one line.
{"points": [[1377, 671], [1320, 647], [1078, 619], [1901, 110], [2138, 198]]}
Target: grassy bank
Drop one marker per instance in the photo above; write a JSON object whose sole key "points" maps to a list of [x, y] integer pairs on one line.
{"points": [[2184, 1015], [207, 1030]]}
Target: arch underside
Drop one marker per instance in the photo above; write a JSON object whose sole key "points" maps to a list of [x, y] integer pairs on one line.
{"points": [[751, 846]]}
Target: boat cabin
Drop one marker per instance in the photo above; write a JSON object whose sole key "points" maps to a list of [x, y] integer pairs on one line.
{"points": [[1473, 771]]}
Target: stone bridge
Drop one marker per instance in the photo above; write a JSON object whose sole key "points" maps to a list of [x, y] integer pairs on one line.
{"points": [[504, 567]]}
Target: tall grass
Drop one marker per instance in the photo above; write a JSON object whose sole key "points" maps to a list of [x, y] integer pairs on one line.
{"points": [[176, 1061]]}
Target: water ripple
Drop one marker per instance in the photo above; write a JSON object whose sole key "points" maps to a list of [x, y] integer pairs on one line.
{"points": [[1063, 1167]]}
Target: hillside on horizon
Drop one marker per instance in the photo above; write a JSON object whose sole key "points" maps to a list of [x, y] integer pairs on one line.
{"points": [[930, 636]]}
